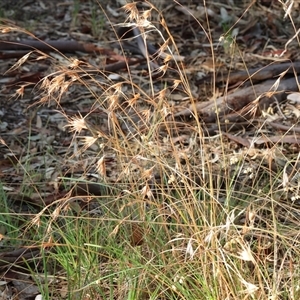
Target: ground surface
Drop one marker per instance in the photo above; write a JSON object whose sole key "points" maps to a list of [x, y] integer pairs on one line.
{"points": [[37, 148]]}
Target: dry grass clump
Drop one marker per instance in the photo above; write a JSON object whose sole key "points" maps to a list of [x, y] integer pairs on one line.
{"points": [[183, 215]]}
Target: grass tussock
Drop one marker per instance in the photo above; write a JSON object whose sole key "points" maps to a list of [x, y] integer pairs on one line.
{"points": [[181, 215]]}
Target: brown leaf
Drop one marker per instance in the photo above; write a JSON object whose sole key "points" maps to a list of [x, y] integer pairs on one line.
{"points": [[137, 235]]}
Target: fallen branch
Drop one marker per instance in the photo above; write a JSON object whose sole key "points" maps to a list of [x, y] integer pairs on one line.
{"points": [[277, 139], [219, 108], [286, 128], [258, 74], [60, 45], [20, 256]]}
